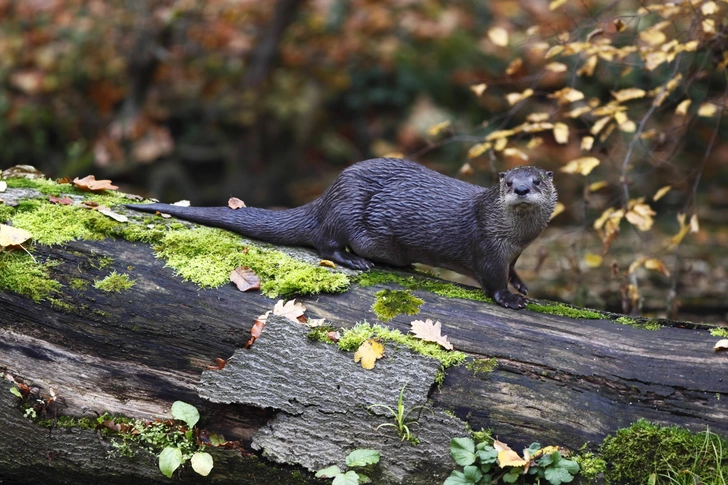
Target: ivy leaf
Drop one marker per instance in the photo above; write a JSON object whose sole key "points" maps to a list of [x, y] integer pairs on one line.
{"points": [[362, 457], [201, 463], [169, 460], [462, 451], [185, 412], [329, 472], [348, 478]]}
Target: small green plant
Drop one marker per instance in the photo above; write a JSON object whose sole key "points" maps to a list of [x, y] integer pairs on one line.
{"points": [[172, 457], [483, 464], [402, 419], [115, 282], [356, 459]]}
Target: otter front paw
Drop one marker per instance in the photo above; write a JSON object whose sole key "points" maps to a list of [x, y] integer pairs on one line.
{"points": [[352, 261], [509, 300], [518, 284]]}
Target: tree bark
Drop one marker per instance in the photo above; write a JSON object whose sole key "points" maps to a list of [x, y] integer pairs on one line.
{"points": [[297, 405]]}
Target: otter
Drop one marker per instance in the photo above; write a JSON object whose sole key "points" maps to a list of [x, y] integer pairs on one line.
{"points": [[397, 212]]}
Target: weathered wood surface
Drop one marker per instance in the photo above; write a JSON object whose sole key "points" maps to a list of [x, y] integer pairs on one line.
{"points": [[558, 380]]}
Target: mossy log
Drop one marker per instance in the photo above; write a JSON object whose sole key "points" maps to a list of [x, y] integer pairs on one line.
{"points": [[296, 405]]}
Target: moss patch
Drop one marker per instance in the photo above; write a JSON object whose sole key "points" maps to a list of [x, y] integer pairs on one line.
{"points": [[6, 213], [352, 338], [391, 303], [672, 454], [562, 310], [482, 365], [19, 273], [115, 282], [719, 332], [206, 256]]}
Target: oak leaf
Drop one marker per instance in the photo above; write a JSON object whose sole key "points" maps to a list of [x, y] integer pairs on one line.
{"points": [[57, 200], [90, 183], [430, 331], [245, 278], [291, 310]]}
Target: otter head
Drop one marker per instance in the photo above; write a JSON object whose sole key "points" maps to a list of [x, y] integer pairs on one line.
{"points": [[522, 188]]}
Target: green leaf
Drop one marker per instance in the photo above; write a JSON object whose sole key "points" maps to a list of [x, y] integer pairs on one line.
{"points": [[16, 392], [488, 455], [534, 448], [329, 472], [362, 457], [364, 479], [348, 478], [169, 460], [472, 473], [557, 475], [201, 463], [458, 478], [462, 451], [511, 477], [185, 412], [217, 439], [570, 466]]}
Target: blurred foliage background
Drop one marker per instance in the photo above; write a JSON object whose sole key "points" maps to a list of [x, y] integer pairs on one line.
{"points": [[269, 101]]}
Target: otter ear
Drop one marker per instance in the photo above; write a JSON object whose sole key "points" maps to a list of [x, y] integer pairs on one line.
{"points": [[502, 175], [550, 175]]}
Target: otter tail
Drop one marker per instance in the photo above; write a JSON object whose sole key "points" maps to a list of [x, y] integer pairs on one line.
{"points": [[291, 227]]}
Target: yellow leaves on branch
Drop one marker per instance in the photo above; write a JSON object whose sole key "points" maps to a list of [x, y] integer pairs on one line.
{"points": [[640, 214], [514, 98], [561, 133], [566, 95], [608, 226], [661, 192], [627, 94], [498, 36], [707, 110], [479, 89], [682, 108], [437, 128], [479, 149], [649, 263], [582, 165], [692, 228]]}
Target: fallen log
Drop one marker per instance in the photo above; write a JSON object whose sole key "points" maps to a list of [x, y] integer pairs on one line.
{"points": [[295, 405]]}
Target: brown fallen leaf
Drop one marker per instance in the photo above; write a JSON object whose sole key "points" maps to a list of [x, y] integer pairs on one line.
{"points": [[291, 310], [63, 180], [333, 336], [220, 364], [235, 203], [257, 329], [245, 278], [89, 182], [56, 200], [133, 197], [431, 332], [13, 236], [368, 353], [89, 204]]}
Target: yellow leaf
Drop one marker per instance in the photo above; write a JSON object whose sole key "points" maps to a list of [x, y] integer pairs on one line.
{"points": [[515, 152], [478, 150], [561, 133], [13, 236], [707, 110], [558, 209], [627, 94], [709, 26], [499, 134], [514, 66], [660, 193], [556, 67], [368, 353], [619, 25], [393, 155], [588, 68], [653, 37], [593, 260], [514, 98], [498, 36], [599, 125], [628, 126], [635, 264], [684, 229], [708, 8], [535, 127], [656, 265], [466, 169], [554, 51], [640, 215], [586, 143], [567, 95], [500, 144], [478, 89], [682, 108], [582, 165], [435, 129], [555, 4], [506, 456], [694, 227], [654, 59], [536, 117], [576, 112], [593, 187], [534, 143]]}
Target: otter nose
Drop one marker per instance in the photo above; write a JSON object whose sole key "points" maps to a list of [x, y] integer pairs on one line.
{"points": [[522, 189]]}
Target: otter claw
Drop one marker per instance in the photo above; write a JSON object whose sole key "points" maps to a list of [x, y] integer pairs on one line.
{"points": [[509, 300]]}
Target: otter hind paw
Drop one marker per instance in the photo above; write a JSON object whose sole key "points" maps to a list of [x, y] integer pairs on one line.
{"points": [[351, 260], [509, 300]]}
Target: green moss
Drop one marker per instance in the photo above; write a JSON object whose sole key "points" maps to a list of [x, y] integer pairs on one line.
{"points": [[719, 332], [562, 310], [352, 338], [104, 262], [590, 465], [634, 454], [206, 256], [115, 282], [482, 365], [20, 274], [78, 284], [6, 213], [647, 324], [391, 303], [50, 187]]}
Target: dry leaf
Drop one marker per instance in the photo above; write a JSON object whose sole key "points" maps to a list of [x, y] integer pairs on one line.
{"points": [[561, 133], [514, 98], [556, 67], [13, 236], [113, 215], [90, 183], [368, 353], [721, 345], [291, 310], [257, 329], [566, 95], [583, 165], [656, 265], [328, 263], [64, 201], [479, 89], [707, 110], [593, 260], [479, 149], [466, 169], [437, 128], [333, 336], [235, 203], [3, 186], [245, 278], [65, 180], [627, 94], [498, 36], [682, 108], [220, 364], [661, 193], [514, 66], [431, 332], [587, 143], [508, 457]]}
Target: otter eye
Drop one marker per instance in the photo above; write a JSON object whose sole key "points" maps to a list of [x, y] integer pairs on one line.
{"points": [[536, 181], [509, 184]]}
